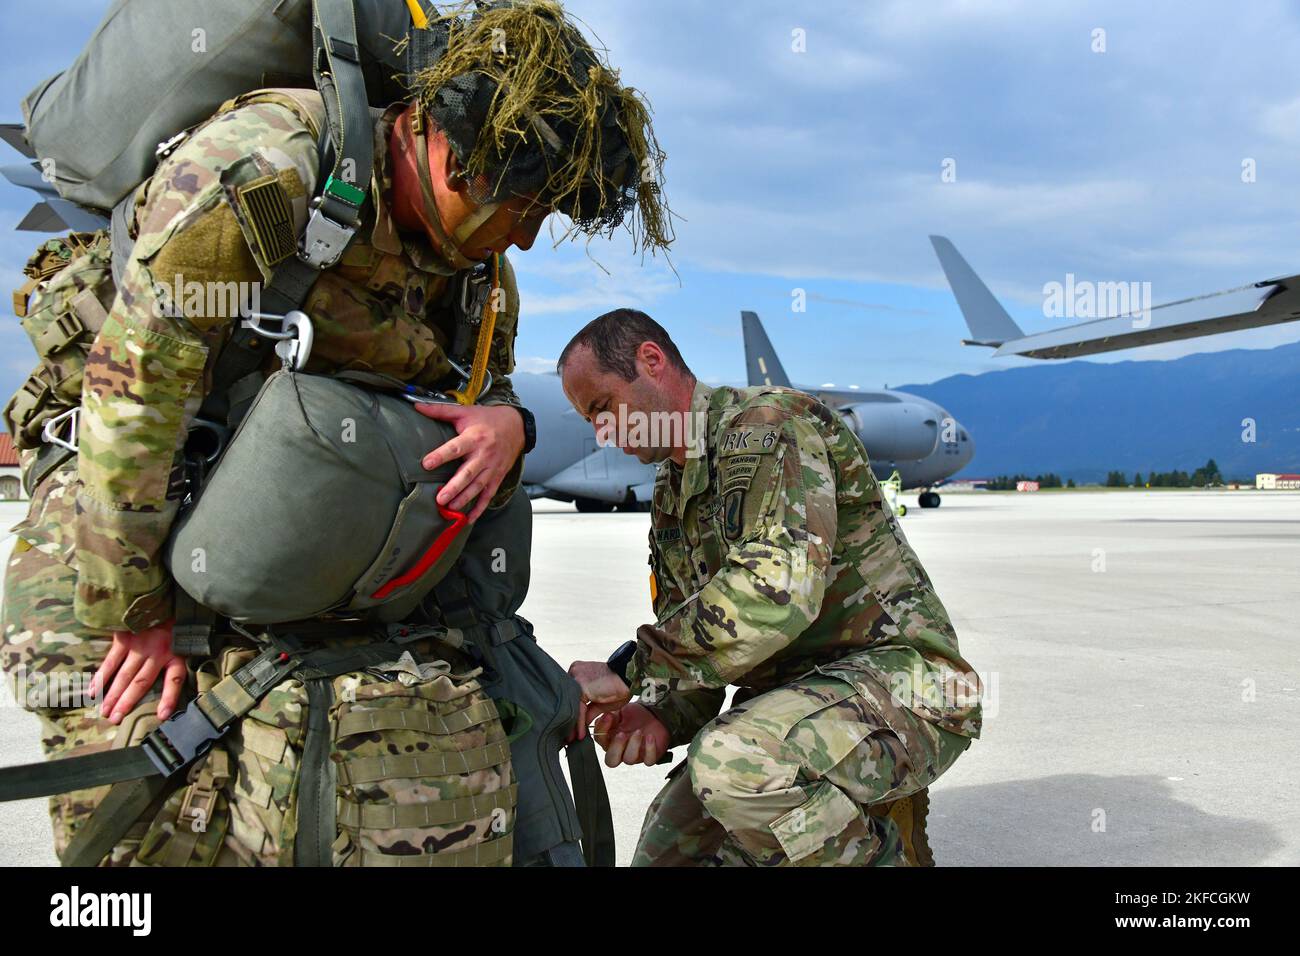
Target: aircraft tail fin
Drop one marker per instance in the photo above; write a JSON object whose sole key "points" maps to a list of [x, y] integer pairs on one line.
{"points": [[761, 364], [988, 322]]}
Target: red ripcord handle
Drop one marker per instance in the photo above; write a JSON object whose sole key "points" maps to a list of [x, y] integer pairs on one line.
{"points": [[436, 550]]}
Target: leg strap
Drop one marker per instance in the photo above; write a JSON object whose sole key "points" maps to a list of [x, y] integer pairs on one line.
{"points": [[591, 800]]}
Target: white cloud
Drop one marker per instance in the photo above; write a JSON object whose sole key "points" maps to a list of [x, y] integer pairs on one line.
{"points": [[535, 365]]}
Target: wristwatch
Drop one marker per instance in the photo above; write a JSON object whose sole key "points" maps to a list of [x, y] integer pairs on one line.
{"points": [[530, 429], [621, 659]]}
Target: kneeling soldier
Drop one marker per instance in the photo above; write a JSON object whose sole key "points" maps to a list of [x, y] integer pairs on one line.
{"points": [[777, 567]]}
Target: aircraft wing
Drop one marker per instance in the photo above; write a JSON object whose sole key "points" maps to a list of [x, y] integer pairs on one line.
{"points": [[1247, 307], [1270, 302]]}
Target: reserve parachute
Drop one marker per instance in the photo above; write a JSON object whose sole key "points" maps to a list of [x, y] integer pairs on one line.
{"points": [[320, 504]]}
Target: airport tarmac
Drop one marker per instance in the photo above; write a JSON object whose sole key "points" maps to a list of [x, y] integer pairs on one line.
{"points": [[1140, 652]]}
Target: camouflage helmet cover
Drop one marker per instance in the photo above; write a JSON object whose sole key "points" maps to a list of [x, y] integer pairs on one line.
{"points": [[531, 108]]}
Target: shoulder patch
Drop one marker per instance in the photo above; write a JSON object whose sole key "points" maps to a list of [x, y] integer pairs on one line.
{"points": [[265, 205], [749, 440]]}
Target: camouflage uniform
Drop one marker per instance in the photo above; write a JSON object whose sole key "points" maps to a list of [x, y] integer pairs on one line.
{"points": [[778, 567], [88, 560]]}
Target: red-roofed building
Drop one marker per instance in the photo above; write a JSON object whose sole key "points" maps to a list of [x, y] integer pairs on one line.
{"points": [[11, 482], [1277, 481], [1267, 482]]}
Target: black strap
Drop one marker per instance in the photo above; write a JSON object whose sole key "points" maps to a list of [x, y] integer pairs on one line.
{"points": [[591, 800], [316, 783], [74, 773], [49, 458]]}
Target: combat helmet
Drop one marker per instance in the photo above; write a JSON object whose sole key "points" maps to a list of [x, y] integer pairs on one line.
{"points": [[531, 108]]}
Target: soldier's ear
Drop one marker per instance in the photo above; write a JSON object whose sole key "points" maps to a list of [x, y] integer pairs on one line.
{"points": [[453, 175], [652, 356]]}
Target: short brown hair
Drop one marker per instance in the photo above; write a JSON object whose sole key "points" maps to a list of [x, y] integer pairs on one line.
{"points": [[614, 338]]}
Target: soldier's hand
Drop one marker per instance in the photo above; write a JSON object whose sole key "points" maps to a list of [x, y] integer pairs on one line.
{"points": [[630, 736], [133, 665], [602, 691], [489, 439]]}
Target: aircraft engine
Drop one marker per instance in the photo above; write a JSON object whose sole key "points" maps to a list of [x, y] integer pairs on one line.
{"points": [[893, 431]]}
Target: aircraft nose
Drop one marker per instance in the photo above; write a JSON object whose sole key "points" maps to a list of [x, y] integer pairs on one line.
{"points": [[966, 444]]}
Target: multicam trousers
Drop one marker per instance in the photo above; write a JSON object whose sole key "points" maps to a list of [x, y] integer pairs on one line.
{"points": [[430, 785], [790, 777]]}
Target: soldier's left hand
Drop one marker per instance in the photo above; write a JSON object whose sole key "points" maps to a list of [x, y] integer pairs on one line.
{"points": [[133, 664], [489, 439]]}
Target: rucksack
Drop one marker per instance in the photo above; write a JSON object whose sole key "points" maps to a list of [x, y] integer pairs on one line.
{"points": [[97, 126]]}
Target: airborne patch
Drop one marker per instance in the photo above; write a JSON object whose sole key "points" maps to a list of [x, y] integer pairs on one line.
{"points": [[266, 209]]}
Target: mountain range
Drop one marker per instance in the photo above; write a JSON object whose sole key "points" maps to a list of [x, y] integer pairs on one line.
{"points": [[1083, 419]]}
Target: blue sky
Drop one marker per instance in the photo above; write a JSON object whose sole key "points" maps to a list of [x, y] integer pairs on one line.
{"points": [[821, 170]]}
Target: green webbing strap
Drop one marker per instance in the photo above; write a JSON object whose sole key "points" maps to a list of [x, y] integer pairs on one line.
{"points": [[362, 770], [333, 661], [316, 786], [192, 632], [342, 84], [346, 149], [591, 800], [370, 721], [115, 815], [387, 816], [74, 773], [452, 595]]}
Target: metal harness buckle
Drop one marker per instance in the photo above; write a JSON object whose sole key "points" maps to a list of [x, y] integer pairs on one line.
{"points": [[473, 301], [324, 239], [50, 431], [294, 340]]}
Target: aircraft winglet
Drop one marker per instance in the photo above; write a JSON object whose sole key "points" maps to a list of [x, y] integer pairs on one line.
{"points": [[761, 364], [989, 323]]}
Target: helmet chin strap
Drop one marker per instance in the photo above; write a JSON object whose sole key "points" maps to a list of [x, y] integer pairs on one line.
{"points": [[475, 219], [448, 246]]}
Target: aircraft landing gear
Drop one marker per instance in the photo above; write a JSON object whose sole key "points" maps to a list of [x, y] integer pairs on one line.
{"points": [[928, 499], [591, 506]]}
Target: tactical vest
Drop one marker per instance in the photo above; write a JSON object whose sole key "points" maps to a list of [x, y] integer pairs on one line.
{"points": [[63, 304]]}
